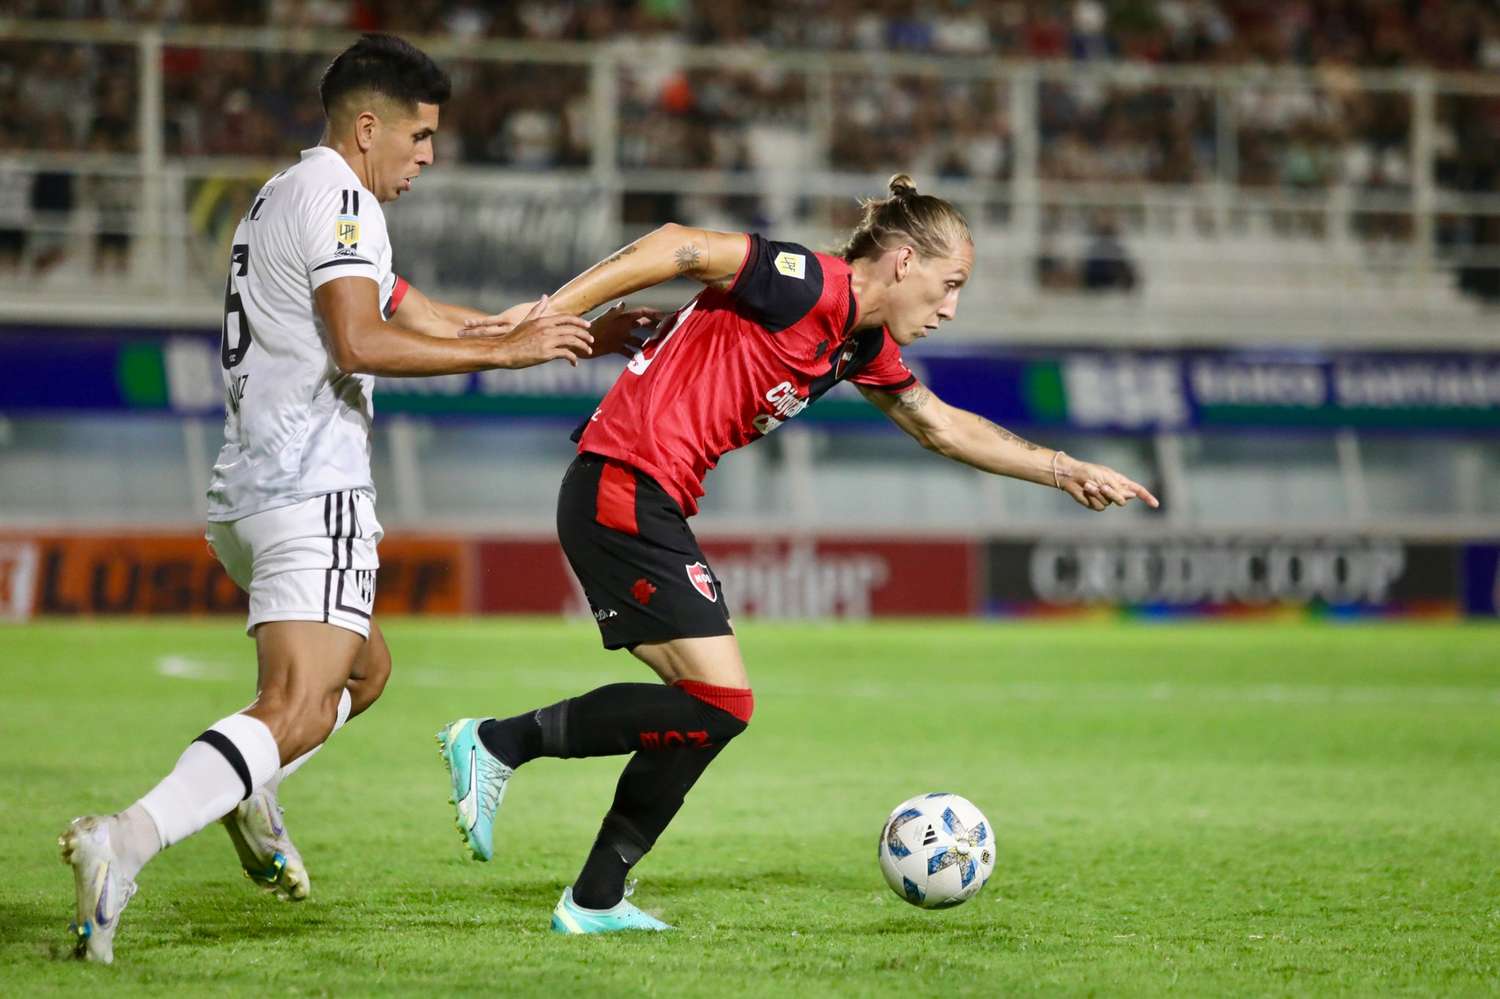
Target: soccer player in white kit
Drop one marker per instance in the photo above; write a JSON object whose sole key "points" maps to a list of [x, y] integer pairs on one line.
{"points": [[312, 312]]}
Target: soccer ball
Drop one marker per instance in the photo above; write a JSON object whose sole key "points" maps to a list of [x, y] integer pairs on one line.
{"points": [[937, 850]]}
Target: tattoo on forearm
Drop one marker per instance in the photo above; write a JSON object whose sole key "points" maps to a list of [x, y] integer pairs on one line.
{"points": [[623, 252], [1009, 437], [689, 258], [914, 400]]}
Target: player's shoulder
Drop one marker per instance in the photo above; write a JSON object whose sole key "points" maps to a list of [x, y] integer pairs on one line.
{"points": [[792, 260], [786, 284], [321, 180]]}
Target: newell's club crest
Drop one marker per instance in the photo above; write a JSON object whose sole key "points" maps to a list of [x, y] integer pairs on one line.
{"points": [[702, 580]]}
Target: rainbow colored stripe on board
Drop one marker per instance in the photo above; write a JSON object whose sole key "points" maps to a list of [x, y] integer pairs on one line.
{"points": [[1431, 610]]}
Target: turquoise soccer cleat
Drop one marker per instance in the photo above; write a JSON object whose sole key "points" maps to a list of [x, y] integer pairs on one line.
{"points": [[479, 781], [569, 917]]}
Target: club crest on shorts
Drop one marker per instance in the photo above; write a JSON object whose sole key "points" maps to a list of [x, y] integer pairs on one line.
{"points": [[702, 580]]}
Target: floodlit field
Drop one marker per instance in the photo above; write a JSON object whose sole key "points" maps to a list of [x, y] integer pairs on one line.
{"points": [[1210, 809]]}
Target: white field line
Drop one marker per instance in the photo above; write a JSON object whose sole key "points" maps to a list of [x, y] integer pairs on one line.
{"points": [[186, 668]]}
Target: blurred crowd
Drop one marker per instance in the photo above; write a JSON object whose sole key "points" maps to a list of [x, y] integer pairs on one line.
{"points": [[1447, 34], [677, 115]]}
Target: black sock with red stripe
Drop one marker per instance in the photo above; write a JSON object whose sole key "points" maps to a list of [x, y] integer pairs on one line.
{"points": [[651, 792], [622, 718], [648, 796]]}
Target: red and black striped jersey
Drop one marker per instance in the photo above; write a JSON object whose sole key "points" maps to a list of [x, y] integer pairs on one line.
{"points": [[731, 366]]}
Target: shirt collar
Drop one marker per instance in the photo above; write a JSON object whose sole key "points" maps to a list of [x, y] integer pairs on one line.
{"points": [[329, 151]]}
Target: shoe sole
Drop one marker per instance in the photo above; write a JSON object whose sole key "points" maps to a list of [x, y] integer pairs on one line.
{"points": [[560, 926], [81, 930]]}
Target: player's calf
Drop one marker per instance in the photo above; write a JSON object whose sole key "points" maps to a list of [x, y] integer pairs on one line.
{"points": [[651, 791], [257, 829], [622, 718], [656, 719], [304, 668], [299, 721], [372, 670]]}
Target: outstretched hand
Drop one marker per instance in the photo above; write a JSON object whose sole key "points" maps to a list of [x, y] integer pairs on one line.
{"points": [[500, 323], [619, 330], [539, 337], [1099, 486]]}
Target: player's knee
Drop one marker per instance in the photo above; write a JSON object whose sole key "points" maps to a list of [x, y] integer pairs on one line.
{"points": [[726, 710], [731, 726]]}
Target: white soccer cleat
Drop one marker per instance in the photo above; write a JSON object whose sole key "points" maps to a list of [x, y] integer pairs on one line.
{"points": [[258, 831], [102, 892]]}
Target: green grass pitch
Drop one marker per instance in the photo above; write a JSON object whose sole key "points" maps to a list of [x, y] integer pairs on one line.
{"points": [[1216, 809]]}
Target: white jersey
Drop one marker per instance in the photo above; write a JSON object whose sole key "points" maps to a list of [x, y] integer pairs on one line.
{"points": [[295, 426]]}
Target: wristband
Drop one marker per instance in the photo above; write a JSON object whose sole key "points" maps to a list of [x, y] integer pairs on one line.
{"points": [[1056, 481]]}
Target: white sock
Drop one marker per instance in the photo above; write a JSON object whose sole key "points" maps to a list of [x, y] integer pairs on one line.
{"points": [[134, 838], [345, 703], [219, 769]]}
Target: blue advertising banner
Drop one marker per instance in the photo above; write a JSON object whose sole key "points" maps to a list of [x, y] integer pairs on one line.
{"points": [[1482, 579], [53, 368]]}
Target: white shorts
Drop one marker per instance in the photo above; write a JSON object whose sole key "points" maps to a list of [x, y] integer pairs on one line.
{"points": [[313, 561]]}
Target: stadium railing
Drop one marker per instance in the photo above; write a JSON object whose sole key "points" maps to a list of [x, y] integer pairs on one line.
{"points": [[1121, 201]]}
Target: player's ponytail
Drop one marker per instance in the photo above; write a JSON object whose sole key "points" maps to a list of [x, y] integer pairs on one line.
{"points": [[929, 224]]}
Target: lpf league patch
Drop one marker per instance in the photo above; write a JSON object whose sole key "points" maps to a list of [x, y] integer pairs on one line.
{"points": [[702, 580], [792, 264], [346, 230]]}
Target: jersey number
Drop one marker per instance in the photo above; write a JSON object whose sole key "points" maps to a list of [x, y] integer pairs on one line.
{"points": [[642, 358], [236, 323]]}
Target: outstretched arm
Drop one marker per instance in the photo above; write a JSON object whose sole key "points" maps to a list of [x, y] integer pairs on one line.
{"points": [[440, 319], [669, 252], [672, 251], [970, 438], [360, 341]]}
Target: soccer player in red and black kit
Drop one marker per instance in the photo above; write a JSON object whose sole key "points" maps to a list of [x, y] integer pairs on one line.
{"points": [[777, 326]]}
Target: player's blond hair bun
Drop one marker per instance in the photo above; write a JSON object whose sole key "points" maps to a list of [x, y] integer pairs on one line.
{"points": [[929, 224]]}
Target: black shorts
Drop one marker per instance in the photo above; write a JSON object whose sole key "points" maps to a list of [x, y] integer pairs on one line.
{"points": [[630, 546]]}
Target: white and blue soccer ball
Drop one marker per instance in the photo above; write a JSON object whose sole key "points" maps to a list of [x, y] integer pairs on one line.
{"points": [[937, 850]]}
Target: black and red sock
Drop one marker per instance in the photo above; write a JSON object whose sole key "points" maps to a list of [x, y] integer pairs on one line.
{"points": [[650, 793], [674, 731], [622, 718]]}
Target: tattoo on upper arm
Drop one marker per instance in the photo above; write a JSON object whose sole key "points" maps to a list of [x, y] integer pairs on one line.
{"points": [[1009, 437], [689, 258], [915, 399], [622, 252]]}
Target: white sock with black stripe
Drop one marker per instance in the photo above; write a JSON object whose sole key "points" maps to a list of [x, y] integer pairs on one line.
{"points": [[345, 703], [217, 771]]}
